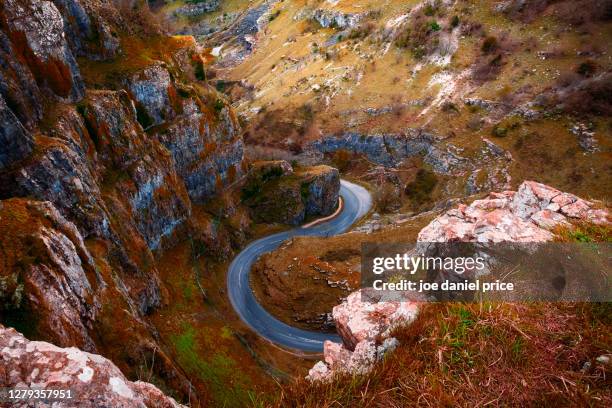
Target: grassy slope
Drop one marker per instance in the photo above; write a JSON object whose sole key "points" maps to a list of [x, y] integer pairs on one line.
{"points": [[483, 354], [361, 73]]}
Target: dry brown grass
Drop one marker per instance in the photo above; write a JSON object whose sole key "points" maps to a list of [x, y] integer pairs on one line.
{"points": [[136, 54], [482, 355]]}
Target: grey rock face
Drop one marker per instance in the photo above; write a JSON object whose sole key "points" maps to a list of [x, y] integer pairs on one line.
{"points": [[240, 37], [87, 32], [207, 155], [18, 86], [197, 9], [37, 32], [291, 198], [323, 190], [331, 18], [15, 142], [146, 175], [61, 176], [390, 149], [57, 288], [150, 89]]}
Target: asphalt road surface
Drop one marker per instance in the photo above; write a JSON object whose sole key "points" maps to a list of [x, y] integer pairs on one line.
{"points": [[357, 202]]}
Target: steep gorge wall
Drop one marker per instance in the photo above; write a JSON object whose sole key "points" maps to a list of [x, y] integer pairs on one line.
{"points": [[107, 177]]}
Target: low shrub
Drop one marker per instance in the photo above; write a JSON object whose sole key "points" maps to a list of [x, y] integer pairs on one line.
{"points": [[419, 190], [489, 44], [386, 198], [454, 21], [587, 68], [487, 69], [434, 26]]}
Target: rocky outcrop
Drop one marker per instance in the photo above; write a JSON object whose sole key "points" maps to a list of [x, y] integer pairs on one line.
{"points": [[36, 31], [276, 193], [204, 141], [88, 29], [320, 190], [142, 168], [365, 328], [526, 215], [60, 175], [336, 19], [208, 154], [391, 149], [191, 10], [236, 43], [152, 89], [58, 285], [93, 380]]}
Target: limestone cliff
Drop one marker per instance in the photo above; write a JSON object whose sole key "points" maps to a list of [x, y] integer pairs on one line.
{"points": [[107, 176], [277, 193]]}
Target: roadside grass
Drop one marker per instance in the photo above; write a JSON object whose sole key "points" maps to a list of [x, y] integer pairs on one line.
{"points": [[482, 354]]}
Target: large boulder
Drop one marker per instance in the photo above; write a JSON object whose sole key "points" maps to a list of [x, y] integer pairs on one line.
{"points": [[365, 328], [93, 380], [359, 320], [526, 215]]}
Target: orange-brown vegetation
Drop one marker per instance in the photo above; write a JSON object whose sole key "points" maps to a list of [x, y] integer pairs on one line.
{"points": [[292, 282], [175, 100], [511, 355], [137, 53]]}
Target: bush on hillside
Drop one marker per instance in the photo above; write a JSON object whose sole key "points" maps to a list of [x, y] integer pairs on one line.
{"points": [[419, 190]]}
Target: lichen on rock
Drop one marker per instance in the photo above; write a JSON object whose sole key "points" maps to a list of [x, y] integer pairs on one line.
{"points": [[277, 193], [527, 215], [92, 380]]}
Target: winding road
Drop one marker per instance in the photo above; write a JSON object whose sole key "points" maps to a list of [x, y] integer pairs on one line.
{"points": [[357, 202]]}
